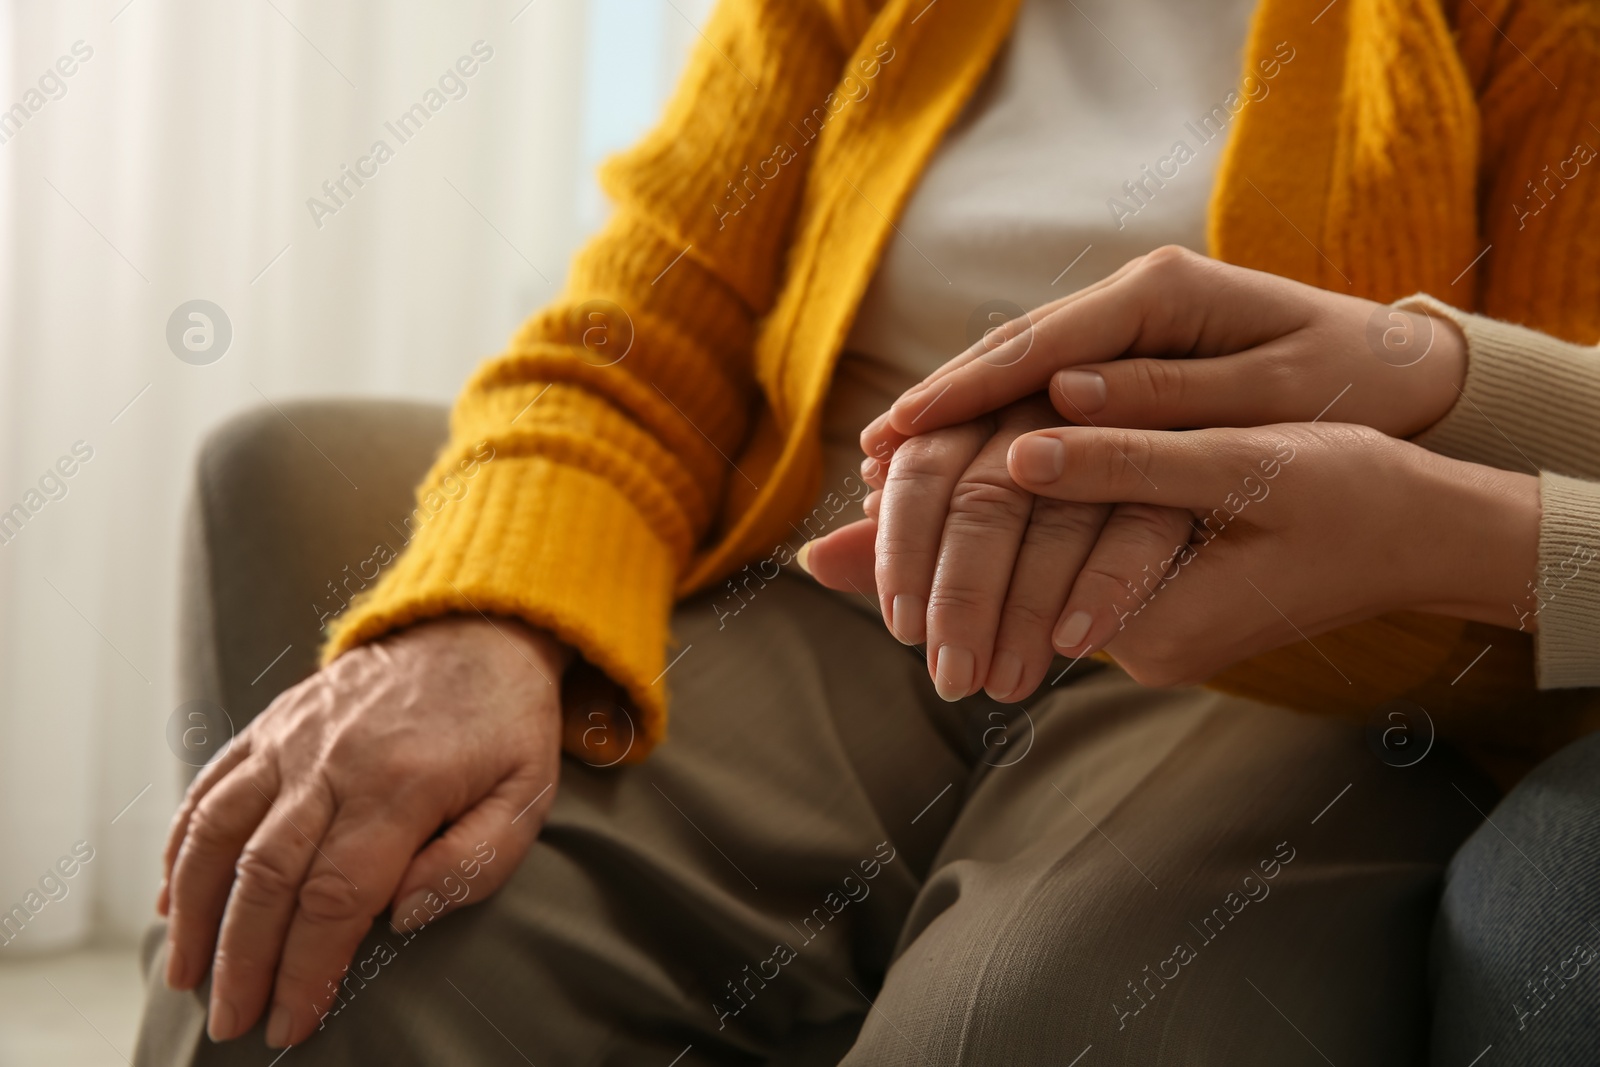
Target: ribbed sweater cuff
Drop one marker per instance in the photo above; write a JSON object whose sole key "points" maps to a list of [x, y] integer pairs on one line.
{"points": [[1568, 587], [1529, 400], [555, 545]]}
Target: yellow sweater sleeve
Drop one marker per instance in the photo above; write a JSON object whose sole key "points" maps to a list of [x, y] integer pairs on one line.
{"points": [[608, 421]]}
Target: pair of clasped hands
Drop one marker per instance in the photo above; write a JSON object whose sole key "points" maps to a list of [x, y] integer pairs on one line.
{"points": [[1031, 497], [1232, 476]]}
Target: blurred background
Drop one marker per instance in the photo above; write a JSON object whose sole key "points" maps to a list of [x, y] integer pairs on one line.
{"points": [[183, 159]]}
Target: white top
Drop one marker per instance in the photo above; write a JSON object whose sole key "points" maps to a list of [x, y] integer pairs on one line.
{"points": [[1019, 204]]}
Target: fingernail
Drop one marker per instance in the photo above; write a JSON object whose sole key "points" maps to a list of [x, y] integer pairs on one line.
{"points": [[952, 672], [1083, 389], [1039, 459], [872, 428], [1005, 674], [869, 468], [223, 1022], [278, 1026], [1072, 630], [908, 616], [803, 555], [413, 910]]}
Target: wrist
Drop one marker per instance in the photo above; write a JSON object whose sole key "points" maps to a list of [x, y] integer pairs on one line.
{"points": [[552, 651], [1443, 370], [508, 642], [1479, 545]]}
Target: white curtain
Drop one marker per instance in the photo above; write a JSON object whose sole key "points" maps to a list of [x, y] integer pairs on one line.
{"points": [[175, 163]]}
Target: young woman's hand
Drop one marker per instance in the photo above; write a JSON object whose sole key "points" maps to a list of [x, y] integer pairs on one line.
{"points": [[1237, 541], [1176, 340]]}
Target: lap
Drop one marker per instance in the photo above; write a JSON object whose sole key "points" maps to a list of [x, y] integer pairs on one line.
{"points": [[1177, 877], [819, 830], [785, 802]]}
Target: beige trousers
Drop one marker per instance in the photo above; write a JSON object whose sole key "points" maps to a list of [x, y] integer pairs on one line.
{"points": [[825, 863]]}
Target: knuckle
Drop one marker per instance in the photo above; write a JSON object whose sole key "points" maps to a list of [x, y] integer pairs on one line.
{"points": [[939, 453], [1099, 582], [264, 876], [922, 457], [177, 832], [351, 757], [1137, 452], [960, 602], [897, 547], [327, 896], [1121, 457], [1029, 615], [1351, 435], [1169, 259], [1159, 379], [209, 831], [1056, 521], [985, 497], [347, 744]]}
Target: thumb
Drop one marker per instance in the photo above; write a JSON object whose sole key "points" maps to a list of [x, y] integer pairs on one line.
{"points": [[475, 856], [1162, 394]]}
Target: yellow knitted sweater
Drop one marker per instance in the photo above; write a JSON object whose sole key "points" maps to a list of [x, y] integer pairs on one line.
{"points": [[656, 427]]}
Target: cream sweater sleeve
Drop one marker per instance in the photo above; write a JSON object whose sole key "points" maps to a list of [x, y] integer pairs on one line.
{"points": [[1532, 403]]}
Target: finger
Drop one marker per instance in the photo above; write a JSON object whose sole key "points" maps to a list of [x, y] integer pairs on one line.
{"points": [[874, 472], [203, 870], [880, 438], [213, 772], [983, 530], [477, 854], [1175, 303], [1107, 325], [1169, 394], [1058, 540], [1188, 468], [270, 870], [844, 558], [911, 515], [871, 503], [351, 879], [1136, 554]]}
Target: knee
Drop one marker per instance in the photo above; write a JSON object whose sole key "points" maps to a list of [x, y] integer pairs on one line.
{"points": [[1516, 943]]}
